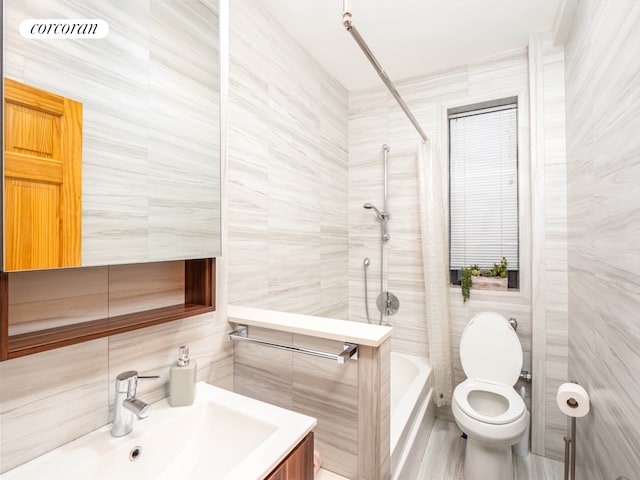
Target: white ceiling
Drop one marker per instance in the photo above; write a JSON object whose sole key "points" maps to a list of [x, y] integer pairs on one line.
{"points": [[410, 37]]}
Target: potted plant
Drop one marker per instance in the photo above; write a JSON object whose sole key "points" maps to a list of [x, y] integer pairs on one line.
{"points": [[484, 278]]}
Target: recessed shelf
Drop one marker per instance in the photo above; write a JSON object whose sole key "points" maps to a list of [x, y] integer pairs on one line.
{"points": [[199, 298]]}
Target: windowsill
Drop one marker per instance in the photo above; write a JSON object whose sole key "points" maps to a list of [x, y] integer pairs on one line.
{"points": [[513, 295]]}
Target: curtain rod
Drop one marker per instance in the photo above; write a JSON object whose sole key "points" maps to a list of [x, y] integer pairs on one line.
{"points": [[348, 24]]}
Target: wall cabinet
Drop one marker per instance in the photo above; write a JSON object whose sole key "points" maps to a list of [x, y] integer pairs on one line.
{"points": [[298, 465]]}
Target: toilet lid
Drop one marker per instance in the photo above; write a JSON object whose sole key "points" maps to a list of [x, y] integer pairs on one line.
{"points": [[490, 350]]}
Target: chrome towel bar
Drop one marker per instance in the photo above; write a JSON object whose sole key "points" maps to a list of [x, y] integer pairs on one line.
{"points": [[349, 352]]}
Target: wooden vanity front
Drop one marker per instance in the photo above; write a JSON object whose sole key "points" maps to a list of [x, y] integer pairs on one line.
{"points": [[298, 465]]}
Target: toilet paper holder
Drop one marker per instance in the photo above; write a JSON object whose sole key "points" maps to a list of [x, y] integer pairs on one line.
{"points": [[570, 451], [570, 441]]}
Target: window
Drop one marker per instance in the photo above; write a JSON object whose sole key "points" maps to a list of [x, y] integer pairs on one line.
{"points": [[483, 187]]}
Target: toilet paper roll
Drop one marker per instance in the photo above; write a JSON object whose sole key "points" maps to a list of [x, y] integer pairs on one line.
{"points": [[573, 400]]}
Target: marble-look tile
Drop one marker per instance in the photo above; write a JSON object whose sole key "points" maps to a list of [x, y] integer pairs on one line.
{"points": [[50, 398], [328, 391], [498, 74], [374, 449], [535, 467], [370, 124], [153, 350], [374, 119], [48, 298], [323, 474], [36, 390], [444, 458], [287, 172], [602, 151], [549, 240], [134, 288], [264, 373]]}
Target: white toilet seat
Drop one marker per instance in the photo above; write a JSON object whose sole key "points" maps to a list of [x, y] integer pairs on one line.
{"points": [[486, 406], [515, 409]]}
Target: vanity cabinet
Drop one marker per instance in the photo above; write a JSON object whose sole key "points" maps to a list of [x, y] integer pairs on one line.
{"points": [[298, 465]]}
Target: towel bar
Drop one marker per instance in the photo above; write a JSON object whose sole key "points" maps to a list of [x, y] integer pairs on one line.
{"points": [[349, 352]]}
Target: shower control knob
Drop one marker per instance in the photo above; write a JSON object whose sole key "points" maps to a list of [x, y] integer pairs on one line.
{"points": [[388, 303]]}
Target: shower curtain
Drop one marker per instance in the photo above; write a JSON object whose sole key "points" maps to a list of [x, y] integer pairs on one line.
{"points": [[433, 230]]}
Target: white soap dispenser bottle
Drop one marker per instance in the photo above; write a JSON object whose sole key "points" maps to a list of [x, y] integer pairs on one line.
{"points": [[182, 380]]}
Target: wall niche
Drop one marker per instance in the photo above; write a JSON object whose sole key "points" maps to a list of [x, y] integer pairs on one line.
{"points": [[48, 309]]}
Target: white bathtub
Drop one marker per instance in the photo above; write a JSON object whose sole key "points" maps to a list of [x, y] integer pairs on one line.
{"points": [[412, 413]]}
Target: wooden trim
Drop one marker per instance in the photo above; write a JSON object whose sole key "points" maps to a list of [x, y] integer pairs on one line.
{"points": [[40, 341], [71, 203], [199, 298], [32, 97], [20, 165], [4, 316], [200, 281]]}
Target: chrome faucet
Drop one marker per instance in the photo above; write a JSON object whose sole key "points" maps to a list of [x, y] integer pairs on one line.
{"points": [[127, 406]]}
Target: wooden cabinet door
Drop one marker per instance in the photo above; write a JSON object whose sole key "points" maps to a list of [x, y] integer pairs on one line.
{"points": [[298, 465], [43, 174]]}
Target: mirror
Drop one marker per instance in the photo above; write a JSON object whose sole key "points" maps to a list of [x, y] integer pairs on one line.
{"points": [[150, 127]]}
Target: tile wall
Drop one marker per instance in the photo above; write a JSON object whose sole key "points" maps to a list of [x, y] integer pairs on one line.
{"points": [[287, 223], [37, 391], [287, 173], [603, 152], [374, 119], [350, 401]]}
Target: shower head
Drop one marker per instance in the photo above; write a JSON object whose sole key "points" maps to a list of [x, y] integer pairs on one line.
{"points": [[370, 206], [383, 217], [366, 262]]}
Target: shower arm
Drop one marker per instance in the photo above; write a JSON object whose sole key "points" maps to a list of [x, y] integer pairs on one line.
{"points": [[348, 24]]}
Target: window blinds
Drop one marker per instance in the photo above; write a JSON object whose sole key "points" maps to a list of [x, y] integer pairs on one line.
{"points": [[483, 187]]}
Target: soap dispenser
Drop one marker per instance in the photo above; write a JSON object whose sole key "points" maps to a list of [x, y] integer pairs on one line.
{"points": [[182, 380]]}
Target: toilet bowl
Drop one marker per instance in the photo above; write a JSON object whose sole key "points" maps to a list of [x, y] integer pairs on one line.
{"points": [[486, 406]]}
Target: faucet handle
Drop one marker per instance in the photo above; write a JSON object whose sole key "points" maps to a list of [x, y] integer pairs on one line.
{"points": [[129, 374], [130, 380], [133, 383], [126, 376]]}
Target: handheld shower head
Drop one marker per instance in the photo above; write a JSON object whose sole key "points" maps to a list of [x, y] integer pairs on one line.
{"points": [[382, 216], [370, 206]]}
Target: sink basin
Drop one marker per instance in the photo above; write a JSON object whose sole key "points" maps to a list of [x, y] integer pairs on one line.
{"points": [[222, 436]]}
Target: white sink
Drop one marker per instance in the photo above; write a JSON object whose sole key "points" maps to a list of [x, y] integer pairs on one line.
{"points": [[222, 436]]}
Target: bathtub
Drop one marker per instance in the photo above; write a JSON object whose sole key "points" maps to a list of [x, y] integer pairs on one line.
{"points": [[412, 413]]}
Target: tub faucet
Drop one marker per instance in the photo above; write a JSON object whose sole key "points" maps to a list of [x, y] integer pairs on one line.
{"points": [[127, 406]]}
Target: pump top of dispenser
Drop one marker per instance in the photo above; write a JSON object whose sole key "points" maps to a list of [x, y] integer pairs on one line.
{"points": [[183, 356]]}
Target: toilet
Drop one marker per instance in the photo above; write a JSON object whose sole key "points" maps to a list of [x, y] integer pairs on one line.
{"points": [[486, 406]]}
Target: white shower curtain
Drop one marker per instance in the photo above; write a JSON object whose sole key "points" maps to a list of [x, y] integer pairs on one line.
{"points": [[433, 229]]}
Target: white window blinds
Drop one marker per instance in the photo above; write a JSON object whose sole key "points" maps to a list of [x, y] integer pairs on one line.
{"points": [[483, 187]]}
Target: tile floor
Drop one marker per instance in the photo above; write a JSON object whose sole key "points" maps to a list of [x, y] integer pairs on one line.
{"points": [[327, 475], [445, 453]]}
